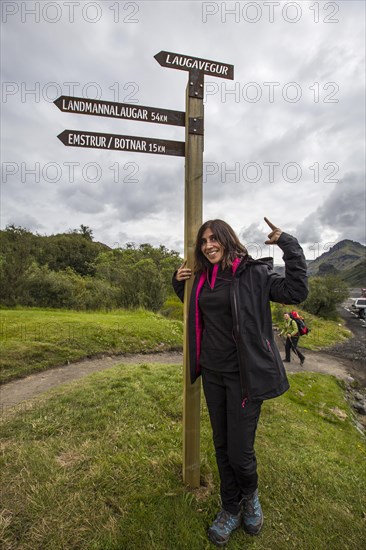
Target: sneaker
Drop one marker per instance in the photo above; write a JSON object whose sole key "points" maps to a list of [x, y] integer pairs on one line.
{"points": [[302, 361], [252, 514], [286, 361], [221, 529]]}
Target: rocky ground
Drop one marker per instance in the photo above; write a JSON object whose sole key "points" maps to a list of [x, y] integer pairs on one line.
{"points": [[354, 353], [354, 349]]}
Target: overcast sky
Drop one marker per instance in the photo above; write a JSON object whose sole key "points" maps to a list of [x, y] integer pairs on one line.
{"points": [[285, 139]]}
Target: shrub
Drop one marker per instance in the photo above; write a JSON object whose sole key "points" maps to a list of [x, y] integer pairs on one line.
{"points": [[172, 308], [325, 294]]}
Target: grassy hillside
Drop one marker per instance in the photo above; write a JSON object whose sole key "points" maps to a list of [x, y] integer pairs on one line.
{"points": [[356, 275], [96, 465], [343, 256], [35, 339]]}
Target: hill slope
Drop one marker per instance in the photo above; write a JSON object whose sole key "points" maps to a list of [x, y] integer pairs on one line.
{"points": [[346, 258]]}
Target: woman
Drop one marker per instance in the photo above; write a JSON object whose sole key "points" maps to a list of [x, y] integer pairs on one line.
{"points": [[231, 344]]}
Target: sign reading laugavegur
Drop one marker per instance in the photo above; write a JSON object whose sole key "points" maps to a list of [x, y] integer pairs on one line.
{"points": [[186, 63], [81, 105]]}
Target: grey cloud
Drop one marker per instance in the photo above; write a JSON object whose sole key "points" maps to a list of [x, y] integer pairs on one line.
{"points": [[253, 238], [81, 200], [252, 234], [25, 220], [151, 195], [109, 53], [310, 230], [343, 211]]}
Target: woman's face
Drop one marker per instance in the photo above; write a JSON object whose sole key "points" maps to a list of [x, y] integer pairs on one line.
{"points": [[210, 248]]}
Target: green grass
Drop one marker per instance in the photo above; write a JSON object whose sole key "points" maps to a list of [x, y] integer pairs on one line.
{"points": [[96, 465], [35, 339]]}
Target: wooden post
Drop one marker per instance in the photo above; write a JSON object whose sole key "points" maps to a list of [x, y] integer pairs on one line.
{"points": [[193, 151], [192, 222]]}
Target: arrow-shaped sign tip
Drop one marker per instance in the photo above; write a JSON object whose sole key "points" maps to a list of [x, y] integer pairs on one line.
{"points": [[62, 136], [58, 102], [159, 57]]}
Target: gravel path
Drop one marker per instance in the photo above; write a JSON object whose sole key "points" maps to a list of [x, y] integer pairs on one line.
{"points": [[17, 391]]}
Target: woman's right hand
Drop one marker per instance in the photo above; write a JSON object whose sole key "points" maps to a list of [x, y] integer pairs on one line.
{"points": [[183, 272]]}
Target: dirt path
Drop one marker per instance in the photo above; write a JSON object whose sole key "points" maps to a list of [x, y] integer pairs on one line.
{"points": [[13, 393], [27, 388]]}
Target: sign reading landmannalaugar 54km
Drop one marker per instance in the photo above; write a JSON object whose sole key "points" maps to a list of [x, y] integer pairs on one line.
{"points": [[96, 107]]}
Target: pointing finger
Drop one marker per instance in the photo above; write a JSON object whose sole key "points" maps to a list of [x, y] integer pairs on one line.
{"points": [[270, 223]]}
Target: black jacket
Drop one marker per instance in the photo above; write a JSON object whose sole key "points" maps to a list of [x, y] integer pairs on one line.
{"points": [[255, 284]]}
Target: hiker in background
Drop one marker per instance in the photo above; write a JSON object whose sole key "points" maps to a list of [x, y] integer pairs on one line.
{"points": [[231, 344], [291, 332]]}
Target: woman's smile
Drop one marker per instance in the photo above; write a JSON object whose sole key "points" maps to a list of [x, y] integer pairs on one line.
{"points": [[211, 249]]}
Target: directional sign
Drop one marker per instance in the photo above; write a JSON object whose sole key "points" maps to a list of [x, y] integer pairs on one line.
{"points": [[95, 107], [186, 63], [95, 140]]}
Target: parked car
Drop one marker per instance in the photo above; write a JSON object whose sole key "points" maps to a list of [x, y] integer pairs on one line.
{"points": [[359, 306]]}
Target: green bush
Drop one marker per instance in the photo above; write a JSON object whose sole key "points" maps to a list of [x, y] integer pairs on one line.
{"points": [[172, 308], [46, 288], [99, 294], [325, 294], [146, 286], [71, 271]]}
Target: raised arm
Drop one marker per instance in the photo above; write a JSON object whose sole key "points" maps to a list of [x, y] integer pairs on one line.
{"points": [[292, 288]]}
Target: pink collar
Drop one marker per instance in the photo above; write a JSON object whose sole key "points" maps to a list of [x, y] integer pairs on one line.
{"points": [[234, 267]]}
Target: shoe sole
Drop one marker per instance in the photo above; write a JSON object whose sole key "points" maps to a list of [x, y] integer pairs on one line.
{"points": [[257, 530], [216, 542]]}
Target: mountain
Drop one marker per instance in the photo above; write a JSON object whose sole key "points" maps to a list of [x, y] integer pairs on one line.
{"points": [[346, 259], [356, 275]]}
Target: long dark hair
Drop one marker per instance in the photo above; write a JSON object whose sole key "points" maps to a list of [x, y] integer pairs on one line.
{"points": [[226, 237]]}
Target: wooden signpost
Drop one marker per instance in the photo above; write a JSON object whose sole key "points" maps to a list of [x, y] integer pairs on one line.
{"points": [[192, 149]]}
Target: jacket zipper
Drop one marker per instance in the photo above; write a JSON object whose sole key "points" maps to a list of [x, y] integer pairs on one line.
{"points": [[237, 327], [236, 312], [269, 347], [273, 355]]}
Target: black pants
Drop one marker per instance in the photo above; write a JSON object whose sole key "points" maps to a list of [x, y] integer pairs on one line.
{"points": [[291, 344], [233, 428]]}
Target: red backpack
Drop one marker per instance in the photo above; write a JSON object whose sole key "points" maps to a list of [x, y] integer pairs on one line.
{"points": [[301, 326]]}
